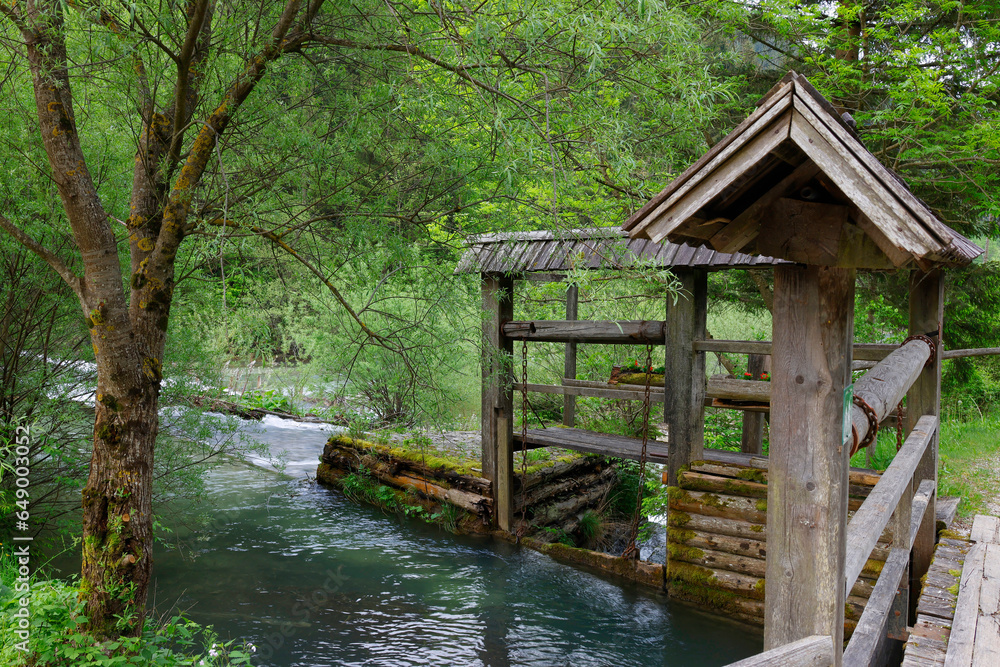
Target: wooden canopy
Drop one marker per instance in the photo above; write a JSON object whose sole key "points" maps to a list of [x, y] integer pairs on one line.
{"points": [[793, 181]]}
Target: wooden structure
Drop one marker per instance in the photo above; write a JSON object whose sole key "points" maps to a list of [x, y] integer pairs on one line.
{"points": [[794, 181], [503, 260]]}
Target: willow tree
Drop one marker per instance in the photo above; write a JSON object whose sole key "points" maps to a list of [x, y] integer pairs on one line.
{"points": [[556, 102]]}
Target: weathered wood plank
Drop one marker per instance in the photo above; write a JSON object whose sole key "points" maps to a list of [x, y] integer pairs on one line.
{"points": [[497, 399], [860, 351], [812, 651], [684, 406], [746, 225], [592, 392], [569, 362], [717, 154], [872, 625], [874, 515], [504, 488], [922, 499], [752, 436], [985, 528], [963, 630], [808, 481], [733, 388], [974, 352], [986, 648], [632, 332]]}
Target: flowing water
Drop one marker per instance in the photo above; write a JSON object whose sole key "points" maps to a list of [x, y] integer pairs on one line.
{"points": [[312, 579]]}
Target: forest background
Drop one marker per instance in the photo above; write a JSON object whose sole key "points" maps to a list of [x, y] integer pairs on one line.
{"points": [[303, 177]]}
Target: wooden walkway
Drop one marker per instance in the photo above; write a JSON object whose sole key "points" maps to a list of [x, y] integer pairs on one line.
{"points": [[958, 614]]}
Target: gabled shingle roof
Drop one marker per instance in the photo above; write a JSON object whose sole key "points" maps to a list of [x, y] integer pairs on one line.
{"points": [[794, 157]]}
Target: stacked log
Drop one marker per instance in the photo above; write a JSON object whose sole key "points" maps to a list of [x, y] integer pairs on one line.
{"points": [[717, 540], [552, 495]]}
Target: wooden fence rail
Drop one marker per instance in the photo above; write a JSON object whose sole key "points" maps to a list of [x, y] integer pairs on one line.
{"points": [[871, 519], [874, 622], [814, 651]]}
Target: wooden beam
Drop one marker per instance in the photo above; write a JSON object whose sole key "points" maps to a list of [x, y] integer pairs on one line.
{"points": [[684, 405], [873, 624], [593, 392], [569, 363], [752, 437], [961, 642], [746, 225], [503, 498], [808, 468], [634, 332], [974, 352], [924, 398], [861, 351], [869, 521], [814, 651], [497, 399], [738, 389]]}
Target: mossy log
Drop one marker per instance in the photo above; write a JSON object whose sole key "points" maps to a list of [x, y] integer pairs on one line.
{"points": [[650, 574], [561, 510], [719, 505], [710, 578], [696, 481], [539, 494], [470, 502], [755, 530], [558, 470], [734, 545], [859, 477], [391, 461]]}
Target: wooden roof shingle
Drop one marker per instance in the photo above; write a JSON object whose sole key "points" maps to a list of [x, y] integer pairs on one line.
{"points": [[596, 248], [794, 181]]}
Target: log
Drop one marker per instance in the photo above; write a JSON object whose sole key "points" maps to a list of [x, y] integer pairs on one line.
{"points": [[497, 399], [752, 437], [540, 493], [697, 481], [718, 526], [807, 497], [546, 475], [862, 480], [974, 352], [471, 502], [884, 386], [612, 392], [738, 389], [569, 360], [727, 507], [558, 511], [634, 332]]}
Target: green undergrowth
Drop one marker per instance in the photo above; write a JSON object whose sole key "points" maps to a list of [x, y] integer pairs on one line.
{"points": [[968, 466], [57, 634], [361, 486]]}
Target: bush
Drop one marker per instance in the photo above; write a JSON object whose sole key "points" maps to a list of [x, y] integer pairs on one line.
{"points": [[58, 634]]}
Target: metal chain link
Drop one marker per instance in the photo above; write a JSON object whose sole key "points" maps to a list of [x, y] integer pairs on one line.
{"points": [[631, 551]]}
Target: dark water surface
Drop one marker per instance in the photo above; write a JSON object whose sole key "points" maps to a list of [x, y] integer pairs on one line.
{"points": [[312, 579]]}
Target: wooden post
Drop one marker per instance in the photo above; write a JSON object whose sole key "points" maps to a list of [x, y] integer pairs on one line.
{"points": [[684, 393], [497, 397], [752, 441], [569, 402], [808, 472], [924, 398]]}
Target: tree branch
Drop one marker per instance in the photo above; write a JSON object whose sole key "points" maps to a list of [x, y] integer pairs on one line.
{"points": [[74, 281]]}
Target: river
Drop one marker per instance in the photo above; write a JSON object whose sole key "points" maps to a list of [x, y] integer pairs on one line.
{"points": [[312, 579]]}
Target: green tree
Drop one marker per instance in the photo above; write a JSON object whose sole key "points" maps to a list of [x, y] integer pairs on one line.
{"points": [[251, 123]]}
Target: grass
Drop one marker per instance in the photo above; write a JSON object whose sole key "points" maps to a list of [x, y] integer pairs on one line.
{"points": [[968, 465]]}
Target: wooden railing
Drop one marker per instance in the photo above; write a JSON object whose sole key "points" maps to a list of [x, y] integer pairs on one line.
{"points": [[815, 651]]}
